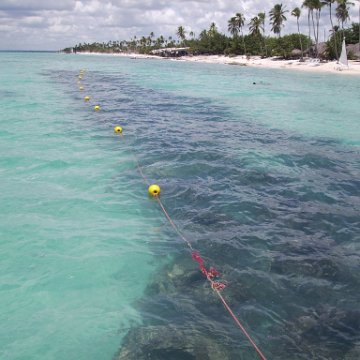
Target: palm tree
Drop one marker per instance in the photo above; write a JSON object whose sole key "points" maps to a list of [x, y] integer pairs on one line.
{"points": [[308, 4], [297, 12], [342, 11], [232, 26], [312, 5], [255, 26], [240, 20], [160, 41], [359, 24], [134, 43], [143, 41], [181, 33], [152, 35], [212, 29], [261, 16], [318, 4], [235, 25], [329, 3], [277, 18]]}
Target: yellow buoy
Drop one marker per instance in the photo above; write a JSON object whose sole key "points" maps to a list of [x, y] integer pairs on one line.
{"points": [[154, 190], [87, 98], [96, 107], [118, 129], [80, 77], [81, 88]]}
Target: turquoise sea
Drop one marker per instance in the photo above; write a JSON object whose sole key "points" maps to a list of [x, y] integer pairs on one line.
{"points": [[263, 179]]}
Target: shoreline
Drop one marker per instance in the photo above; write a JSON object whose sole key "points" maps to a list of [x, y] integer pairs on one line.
{"points": [[309, 65]]}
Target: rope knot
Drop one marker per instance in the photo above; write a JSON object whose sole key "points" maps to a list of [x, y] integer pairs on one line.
{"points": [[211, 273], [216, 285]]}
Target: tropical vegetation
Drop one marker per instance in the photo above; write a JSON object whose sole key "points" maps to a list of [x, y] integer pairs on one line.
{"points": [[248, 37]]}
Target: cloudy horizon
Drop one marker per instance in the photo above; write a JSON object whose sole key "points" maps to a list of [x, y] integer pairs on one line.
{"points": [[53, 25]]}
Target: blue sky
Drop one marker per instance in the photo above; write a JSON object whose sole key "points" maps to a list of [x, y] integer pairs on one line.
{"points": [[53, 25]]}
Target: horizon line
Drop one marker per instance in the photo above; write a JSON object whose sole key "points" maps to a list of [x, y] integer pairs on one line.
{"points": [[19, 50]]}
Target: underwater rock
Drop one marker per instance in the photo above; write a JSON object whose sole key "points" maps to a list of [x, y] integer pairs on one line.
{"points": [[336, 329], [307, 322], [169, 343], [182, 277], [354, 353], [174, 311], [318, 268]]}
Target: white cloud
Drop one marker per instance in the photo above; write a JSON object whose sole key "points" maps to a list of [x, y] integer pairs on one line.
{"points": [[49, 24], [35, 5], [33, 21]]}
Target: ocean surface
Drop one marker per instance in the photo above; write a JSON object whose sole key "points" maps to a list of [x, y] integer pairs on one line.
{"points": [[263, 179]]}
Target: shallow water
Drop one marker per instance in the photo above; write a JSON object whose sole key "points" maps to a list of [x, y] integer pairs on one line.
{"points": [[263, 179]]}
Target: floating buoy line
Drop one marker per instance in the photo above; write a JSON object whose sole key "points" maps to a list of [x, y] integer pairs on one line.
{"points": [[211, 274]]}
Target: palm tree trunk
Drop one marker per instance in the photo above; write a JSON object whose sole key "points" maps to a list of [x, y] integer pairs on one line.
{"points": [[317, 28], [359, 25], [316, 43], [309, 27], [334, 35], [242, 35], [265, 40], [302, 53]]}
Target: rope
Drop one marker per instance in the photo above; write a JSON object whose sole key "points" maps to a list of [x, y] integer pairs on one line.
{"points": [[173, 224], [210, 275], [262, 356], [141, 172]]}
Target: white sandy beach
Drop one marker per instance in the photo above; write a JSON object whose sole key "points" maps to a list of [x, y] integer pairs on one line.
{"points": [[273, 63], [255, 61]]}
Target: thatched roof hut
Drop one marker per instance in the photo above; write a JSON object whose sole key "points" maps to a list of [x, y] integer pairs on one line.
{"points": [[296, 53], [171, 52], [354, 50]]}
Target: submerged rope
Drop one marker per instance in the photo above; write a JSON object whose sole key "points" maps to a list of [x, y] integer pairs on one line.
{"points": [[210, 273], [173, 224], [262, 356]]}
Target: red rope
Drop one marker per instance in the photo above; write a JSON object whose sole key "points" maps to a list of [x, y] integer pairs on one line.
{"points": [[210, 275], [173, 224], [262, 356]]}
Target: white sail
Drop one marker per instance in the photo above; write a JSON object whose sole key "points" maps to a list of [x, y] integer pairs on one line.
{"points": [[343, 57]]}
